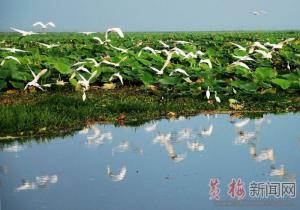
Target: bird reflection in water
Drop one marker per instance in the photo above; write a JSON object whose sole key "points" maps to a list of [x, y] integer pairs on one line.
{"points": [[117, 177]]}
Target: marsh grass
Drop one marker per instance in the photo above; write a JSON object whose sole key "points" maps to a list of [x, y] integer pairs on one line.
{"points": [[39, 114]]}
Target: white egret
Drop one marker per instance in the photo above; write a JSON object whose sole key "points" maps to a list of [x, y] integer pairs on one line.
{"points": [[49, 46], [116, 30], [239, 46], [117, 75], [217, 97], [13, 50], [207, 93], [10, 58], [96, 64], [243, 58], [258, 13], [178, 70], [159, 72], [207, 61], [240, 63], [87, 33], [264, 54], [256, 45], [44, 26], [182, 42], [85, 83], [122, 50], [98, 40], [163, 44], [147, 48], [82, 68], [113, 64], [34, 82], [24, 33]]}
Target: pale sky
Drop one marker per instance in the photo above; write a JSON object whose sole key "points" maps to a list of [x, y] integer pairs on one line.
{"points": [[151, 15]]}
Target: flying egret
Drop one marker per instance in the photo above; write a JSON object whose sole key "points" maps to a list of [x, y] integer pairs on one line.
{"points": [[182, 42], [264, 54], [159, 72], [191, 55], [10, 57], [87, 33], [96, 64], [122, 50], [147, 48], [24, 33], [258, 13], [207, 61], [113, 64], [117, 177], [256, 45], [178, 51], [85, 83], [217, 97], [240, 63], [49, 46], [239, 46], [82, 68], [179, 71], [98, 40], [116, 30], [163, 44], [243, 58], [44, 26], [207, 131], [117, 75], [34, 82], [13, 50]]}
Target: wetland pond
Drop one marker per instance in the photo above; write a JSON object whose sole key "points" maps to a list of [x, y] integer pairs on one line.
{"points": [[186, 163]]}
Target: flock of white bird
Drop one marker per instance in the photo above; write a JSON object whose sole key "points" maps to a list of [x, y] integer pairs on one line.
{"points": [[265, 50]]}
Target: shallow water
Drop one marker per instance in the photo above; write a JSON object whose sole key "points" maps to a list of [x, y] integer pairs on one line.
{"points": [[161, 165]]}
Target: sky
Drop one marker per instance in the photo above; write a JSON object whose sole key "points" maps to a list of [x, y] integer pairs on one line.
{"points": [[151, 15]]}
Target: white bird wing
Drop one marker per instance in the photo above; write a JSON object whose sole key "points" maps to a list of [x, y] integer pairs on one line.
{"points": [[13, 58], [207, 61], [180, 71], [50, 24], [117, 30], [98, 39], [41, 73], [93, 61], [18, 30], [38, 23]]}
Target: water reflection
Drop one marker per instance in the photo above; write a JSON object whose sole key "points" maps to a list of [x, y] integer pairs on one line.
{"points": [[119, 176], [103, 161], [40, 182]]}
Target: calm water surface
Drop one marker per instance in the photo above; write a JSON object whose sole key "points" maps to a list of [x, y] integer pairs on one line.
{"points": [[161, 165]]}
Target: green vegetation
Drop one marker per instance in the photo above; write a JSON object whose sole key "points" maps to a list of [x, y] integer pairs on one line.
{"points": [[261, 85], [38, 114], [281, 72]]}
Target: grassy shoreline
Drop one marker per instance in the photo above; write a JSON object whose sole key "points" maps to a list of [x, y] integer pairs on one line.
{"points": [[27, 115]]}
